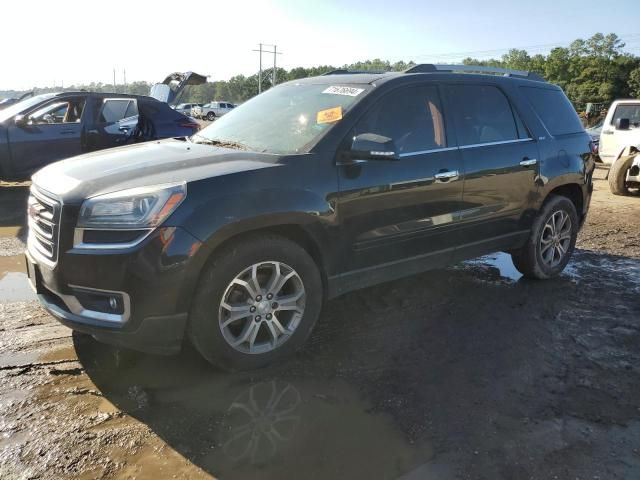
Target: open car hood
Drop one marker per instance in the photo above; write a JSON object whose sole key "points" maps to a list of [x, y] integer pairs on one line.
{"points": [[169, 90]]}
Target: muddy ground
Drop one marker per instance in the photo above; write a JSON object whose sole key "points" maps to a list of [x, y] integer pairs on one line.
{"points": [[470, 372]]}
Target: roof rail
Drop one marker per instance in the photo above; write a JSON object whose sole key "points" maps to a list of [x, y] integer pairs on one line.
{"points": [[344, 71], [431, 68]]}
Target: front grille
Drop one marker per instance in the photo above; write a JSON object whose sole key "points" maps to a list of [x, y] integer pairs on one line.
{"points": [[44, 223]]}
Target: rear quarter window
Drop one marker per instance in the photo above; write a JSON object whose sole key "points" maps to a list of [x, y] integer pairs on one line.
{"points": [[554, 109]]}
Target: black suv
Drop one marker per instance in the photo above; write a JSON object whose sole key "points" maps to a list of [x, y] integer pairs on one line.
{"points": [[235, 237]]}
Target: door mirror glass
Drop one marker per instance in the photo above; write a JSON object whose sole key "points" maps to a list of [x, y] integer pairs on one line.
{"points": [[20, 120], [370, 146], [622, 124]]}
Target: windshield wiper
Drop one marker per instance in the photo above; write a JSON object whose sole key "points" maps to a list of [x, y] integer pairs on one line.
{"points": [[220, 143]]}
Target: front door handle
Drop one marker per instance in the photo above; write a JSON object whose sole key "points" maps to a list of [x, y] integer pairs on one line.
{"points": [[447, 176], [68, 132], [528, 162], [607, 132]]}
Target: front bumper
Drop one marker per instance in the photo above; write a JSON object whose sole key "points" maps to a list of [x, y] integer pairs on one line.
{"points": [[152, 281]]}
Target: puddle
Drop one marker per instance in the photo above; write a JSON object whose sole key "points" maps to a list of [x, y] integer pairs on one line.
{"points": [[14, 284], [12, 231], [237, 426], [501, 261]]}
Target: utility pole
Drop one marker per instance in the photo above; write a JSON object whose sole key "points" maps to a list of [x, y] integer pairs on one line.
{"points": [[273, 77], [275, 53], [124, 77], [114, 80]]}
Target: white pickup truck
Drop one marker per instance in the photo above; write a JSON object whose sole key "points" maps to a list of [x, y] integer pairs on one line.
{"points": [[620, 146], [212, 110]]}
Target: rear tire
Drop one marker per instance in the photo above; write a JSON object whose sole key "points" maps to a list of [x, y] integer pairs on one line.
{"points": [[237, 301], [552, 240], [618, 175], [211, 116]]}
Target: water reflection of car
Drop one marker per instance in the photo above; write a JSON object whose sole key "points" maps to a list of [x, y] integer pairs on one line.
{"points": [[52, 126]]}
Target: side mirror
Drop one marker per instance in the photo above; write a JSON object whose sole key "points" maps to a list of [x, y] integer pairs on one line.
{"points": [[20, 120], [622, 124], [370, 146]]}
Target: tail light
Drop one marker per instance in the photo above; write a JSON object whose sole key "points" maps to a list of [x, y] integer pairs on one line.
{"points": [[193, 126], [593, 147]]}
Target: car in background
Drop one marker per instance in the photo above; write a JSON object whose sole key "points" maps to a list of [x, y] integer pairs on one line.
{"points": [[171, 88], [6, 102], [49, 127], [186, 108], [212, 110], [594, 132], [620, 146]]}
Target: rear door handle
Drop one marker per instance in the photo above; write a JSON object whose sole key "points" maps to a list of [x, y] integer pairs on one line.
{"points": [[528, 162], [67, 132], [447, 176], [607, 132]]}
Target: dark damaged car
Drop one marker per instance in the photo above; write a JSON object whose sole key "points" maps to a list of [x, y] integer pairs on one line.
{"points": [[53, 126], [46, 128]]}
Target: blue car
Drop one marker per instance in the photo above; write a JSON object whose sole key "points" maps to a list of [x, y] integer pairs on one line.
{"points": [[45, 128]]}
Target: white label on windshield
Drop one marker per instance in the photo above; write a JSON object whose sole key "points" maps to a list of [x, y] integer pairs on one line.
{"points": [[349, 91]]}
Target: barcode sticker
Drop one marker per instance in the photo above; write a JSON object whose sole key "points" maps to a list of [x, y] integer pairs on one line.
{"points": [[349, 91]]}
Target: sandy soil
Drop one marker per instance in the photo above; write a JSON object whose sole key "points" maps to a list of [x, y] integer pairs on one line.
{"points": [[468, 373]]}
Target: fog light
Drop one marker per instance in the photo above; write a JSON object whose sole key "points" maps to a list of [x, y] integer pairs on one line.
{"points": [[113, 303]]}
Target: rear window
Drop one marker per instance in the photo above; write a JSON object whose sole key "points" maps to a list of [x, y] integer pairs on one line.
{"points": [[484, 115], [114, 110], [554, 109], [630, 111]]}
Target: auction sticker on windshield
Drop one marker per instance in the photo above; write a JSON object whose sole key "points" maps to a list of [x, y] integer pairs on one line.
{"points": [[349, 91], [329, 115]]}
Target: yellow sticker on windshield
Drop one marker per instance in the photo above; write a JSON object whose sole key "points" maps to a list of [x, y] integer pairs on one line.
{"points": [[329, 115]]}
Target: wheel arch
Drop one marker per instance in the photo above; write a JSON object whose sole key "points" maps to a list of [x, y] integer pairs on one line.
{"points": [[573, 192], [297, 233]]}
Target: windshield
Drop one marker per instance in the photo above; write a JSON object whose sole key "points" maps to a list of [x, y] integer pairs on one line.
{"points": [[25, 104], [286, 119]]}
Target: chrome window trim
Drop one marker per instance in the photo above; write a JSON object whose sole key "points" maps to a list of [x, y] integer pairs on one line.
{"points": [[424, 152], [78, 235], [464, 147], [502, 142]]}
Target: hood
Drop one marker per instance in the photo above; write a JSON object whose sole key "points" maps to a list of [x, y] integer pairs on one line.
{"points": [[144, 164], [171, 87]]}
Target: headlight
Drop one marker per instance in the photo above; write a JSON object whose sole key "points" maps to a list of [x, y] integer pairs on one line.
{"points": [[144, 207]]}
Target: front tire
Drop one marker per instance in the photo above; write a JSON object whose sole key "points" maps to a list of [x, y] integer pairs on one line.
{"points": [[618, 175], [211, 116], [552, 240], [256, 303]]}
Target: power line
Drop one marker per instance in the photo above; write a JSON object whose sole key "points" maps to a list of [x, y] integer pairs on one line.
{"points": [[629, 37], [275, 53]]}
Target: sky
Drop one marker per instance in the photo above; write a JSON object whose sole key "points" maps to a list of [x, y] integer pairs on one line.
{"points": [[69, 42]]}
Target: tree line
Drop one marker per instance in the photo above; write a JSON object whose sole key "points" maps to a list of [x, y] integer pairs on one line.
{"points": [[596, 70]]}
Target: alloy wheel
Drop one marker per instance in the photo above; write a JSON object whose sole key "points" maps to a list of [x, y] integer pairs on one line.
{"points": [[262, 307], [556, 238]]}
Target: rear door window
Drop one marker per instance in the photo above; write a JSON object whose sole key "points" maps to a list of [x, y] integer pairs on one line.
{"points": [[114, 110], [483, 114], [412, 117], [554, 109]]}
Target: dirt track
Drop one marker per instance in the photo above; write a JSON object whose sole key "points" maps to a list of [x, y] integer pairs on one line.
{"points": [[464, 373]]}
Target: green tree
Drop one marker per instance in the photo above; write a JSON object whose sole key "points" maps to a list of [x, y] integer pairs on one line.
{"points": [[634, 83]]}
